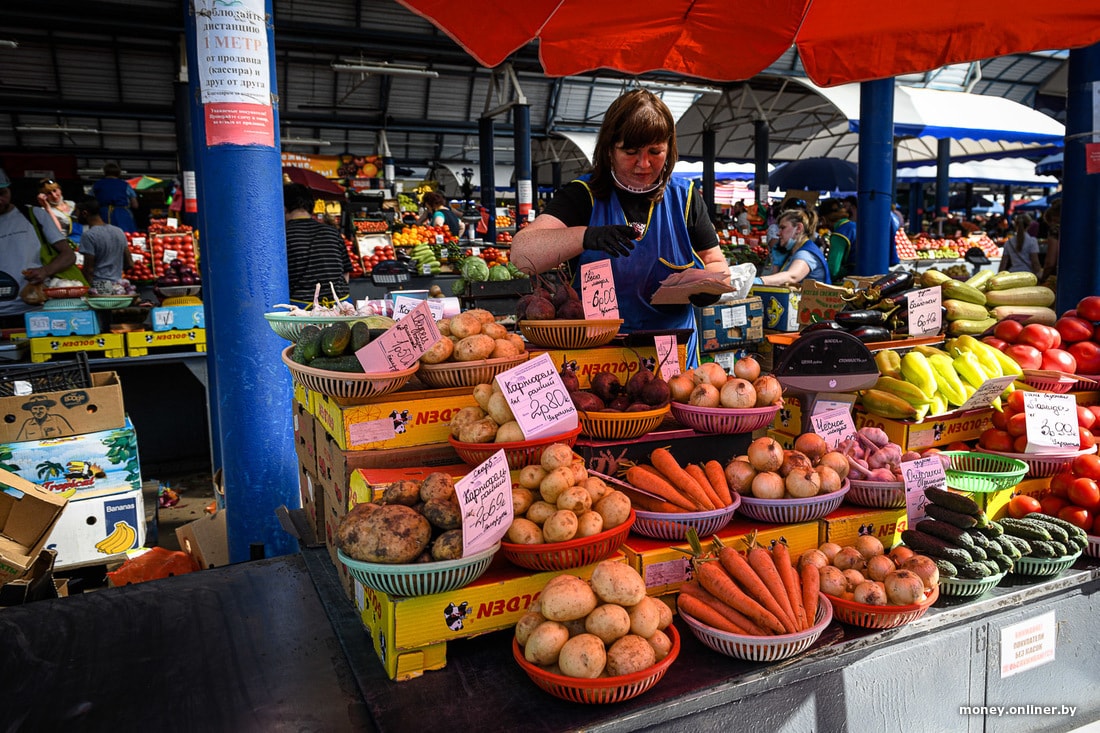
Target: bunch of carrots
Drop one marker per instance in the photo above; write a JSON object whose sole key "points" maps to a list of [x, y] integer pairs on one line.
{"points": [[758, 593], [690, 488]]}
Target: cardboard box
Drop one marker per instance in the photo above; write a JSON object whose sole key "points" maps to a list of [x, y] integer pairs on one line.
{"points": [[729, 325], [789, 418], [80, 466], [846, 523], [409, 418], [305, 436], [367, 484], [28, 513], [933, 431], [688, 446], [819, 302], [619, 360], [37, 585], [784, 438], [67, 412], [725, 359], [96, 528], [665, 568], [205, 540], [334, 507], [313, 497], [61, 323], [338, 465], [178, 317], [780, 307], [303, 396]]}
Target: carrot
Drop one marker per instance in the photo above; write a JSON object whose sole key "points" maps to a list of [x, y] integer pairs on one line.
{"points": [[708, 614], [647, 481], [647, 503], [718, 583], [761, 561], [692, 588], [700, 476], [717, 476], [811, 586], [781, 555], [664, 462], [740, 570]]}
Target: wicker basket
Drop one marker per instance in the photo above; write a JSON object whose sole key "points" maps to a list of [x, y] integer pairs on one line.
{"points": [[1093, 549], [620, 425], [290, 327], [519, 454], [564, 334], [980, 473], [72, 292], [349, 385], [601, 690], [881, 494], [790, 511], [1047, 381], [1043, 566], [570, 554], [880, 617], [467, 373], [967, 587], [1045, 465], [670, 526], [762, 648], [420, 579], [723, 419]]}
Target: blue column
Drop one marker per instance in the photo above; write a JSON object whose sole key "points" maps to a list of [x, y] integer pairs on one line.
{"points": [[876, 145], [762, 153], [1079, 256], [916, 206], [1008, 198], [521, 137], [943, 179], [488, 175], [708, 169], [244, 251]]}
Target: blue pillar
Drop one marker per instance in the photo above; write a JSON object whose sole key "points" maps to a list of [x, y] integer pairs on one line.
{"points": [[708, 170], [1008, 198], [488, 176], [1079, 256], [245, 274], [916, 206], [876, 156], [943, 179], [521, 137], [762, 153]]}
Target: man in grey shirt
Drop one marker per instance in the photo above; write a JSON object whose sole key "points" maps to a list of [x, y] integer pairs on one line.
{"points": [[104, 248]]}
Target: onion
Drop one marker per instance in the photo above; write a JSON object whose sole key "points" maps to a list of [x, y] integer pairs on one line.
{"points": [[746, 368], [793, 459], [737, 394], [768, 391], [904, 587], [878, 566], [765, 454], [870, 593], [833, 582], [849, 557], [739, 476], [836, 461], [803, 483], [925, 567], [704, 394], [830, 482], [812, 444], [900, 554], [680, 388], [767, 485], [830, 549], [869, 546], [813, 557], [710, 373]]}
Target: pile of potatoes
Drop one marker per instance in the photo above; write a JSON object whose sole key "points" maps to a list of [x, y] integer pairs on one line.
{"points": [[557, 501], [473, 335], [491, 421], [605, 627]]}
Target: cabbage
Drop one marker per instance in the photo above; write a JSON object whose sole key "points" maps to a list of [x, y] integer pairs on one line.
{"points": [[475, 269], [499, 272], [458, 287]]}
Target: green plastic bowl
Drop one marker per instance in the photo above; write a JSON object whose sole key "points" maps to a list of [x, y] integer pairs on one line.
{"points": [[982, 473]]}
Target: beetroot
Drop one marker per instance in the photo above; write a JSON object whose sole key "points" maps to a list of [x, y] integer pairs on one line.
{"points": [[540, 309], [638, 381], [638, 407], [655, 392], [571, 310], [620, 403], [586, 401], [569, 379], [606, 385]]}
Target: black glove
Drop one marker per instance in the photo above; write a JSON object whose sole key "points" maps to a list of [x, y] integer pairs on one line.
{"points": [[702, 300], [616, 240]]}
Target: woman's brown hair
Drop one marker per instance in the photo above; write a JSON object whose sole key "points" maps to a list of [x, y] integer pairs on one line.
{"points": [[636, 119]]}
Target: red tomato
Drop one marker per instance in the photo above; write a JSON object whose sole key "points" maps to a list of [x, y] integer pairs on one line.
{"points": [[994, 439], [1085, 493], [1021, 505], [1019, 444], [1086, 418], [1017, 425], [1073, 329], [1095, 410], [1059, 360], [958, 445], [1000, 419], [1015, 401], [1096, 525], [1053, 504], [1008, 330], [1087, 356], [996, 343], [1078, 515], [1060, 483], [1086, 466], [1089, 308], [1040, 336], [1087, 439], [1028, 357]]}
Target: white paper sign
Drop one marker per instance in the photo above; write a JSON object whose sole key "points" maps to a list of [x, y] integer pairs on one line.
{"points": [[539, 400], [233, 52], [919, 475], [834, 426], [485, 496], [140, 242], [371, 431], [925, 316], [169, 255], [823, 405], [667, 356], [404, 305], [165, 317], [1028, 644], [983, 396], [598, 290], [734, 317], [402, 344], [1051, 422]]}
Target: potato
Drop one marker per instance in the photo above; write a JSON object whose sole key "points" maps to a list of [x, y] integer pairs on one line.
{"points": [[576, 627], [567, 600], [522, 498], [521, 345], [448, 546], [616, 582], [596, 487], [509, 432], [614, 507], [465, 324], [631, 653], [666, 616], [481, 431], [474, 348], [540, 511], [660, 642], [531, 476], [437, 485], [575, 499], [645, 617], [499, 409], [402, 492], [483, 316], [392, 533], [583, 656], [524, 532], [503, 348], [494, 330], [545, 642], [482, 393], [444, 326], [440, 352], [561, 526], [588, 524], [609, 622], [556, 456], [527, 623], [465, 416], [443, 513], [580, 473], [350, 522], [556, 482]]}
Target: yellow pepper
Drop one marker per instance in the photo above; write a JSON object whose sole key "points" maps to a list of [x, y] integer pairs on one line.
{"points": [[889, 363], [918, 371]]}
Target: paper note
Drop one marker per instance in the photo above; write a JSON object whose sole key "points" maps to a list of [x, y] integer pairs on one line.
{"points": [[371, 431], [402, 344], [1051, 422], [834, 426], [485, 497], [925, 316], [598, 291], [919, 475], [984, 395], [667, 356], [539, 400], [404, 305]]}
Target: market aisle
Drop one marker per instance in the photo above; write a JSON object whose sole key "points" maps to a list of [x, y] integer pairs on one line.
{"points": [[194, 493]]}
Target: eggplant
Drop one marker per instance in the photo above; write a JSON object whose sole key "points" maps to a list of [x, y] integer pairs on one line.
{"points": [[823, 326], [865, 317], [891, 284], [870, 334]]}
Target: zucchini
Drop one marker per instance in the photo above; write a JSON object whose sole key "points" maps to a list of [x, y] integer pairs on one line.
{"points": [[1019, 543], [980, 280], [1033, 313], [950, 500], [931, 278], [967, 327], [929, 545], [955, 290], [1029, 530], [947, 531], [946, 567], [1010, 280], [1037, 295], [960, 310], [347, 363], [974, 571]]}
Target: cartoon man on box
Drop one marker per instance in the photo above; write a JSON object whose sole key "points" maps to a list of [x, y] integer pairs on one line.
{"points": [[42, 423]]}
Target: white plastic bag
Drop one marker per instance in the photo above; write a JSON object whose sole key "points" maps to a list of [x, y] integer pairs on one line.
{"points": [[741, 277]]}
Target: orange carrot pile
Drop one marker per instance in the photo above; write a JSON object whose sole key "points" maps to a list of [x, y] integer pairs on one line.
{"points": [[672, 487]]}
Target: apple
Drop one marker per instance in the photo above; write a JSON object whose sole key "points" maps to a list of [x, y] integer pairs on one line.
{"points": [[1059, 360], [1028, 357], [1087, 356]]}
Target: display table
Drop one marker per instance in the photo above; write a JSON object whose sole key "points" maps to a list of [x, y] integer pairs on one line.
{"points": [[275, 645]]}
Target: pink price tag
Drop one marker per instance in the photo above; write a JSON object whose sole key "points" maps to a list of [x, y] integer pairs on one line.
{"points": [[538, 398], [667, 356], [834, 426], [598, 290], [402, 344], [485, 497]]}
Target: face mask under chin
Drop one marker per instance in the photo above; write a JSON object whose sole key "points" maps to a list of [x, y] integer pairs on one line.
{"points": [[633, 189]]}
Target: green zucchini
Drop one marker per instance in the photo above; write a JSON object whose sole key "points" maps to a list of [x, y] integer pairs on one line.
{"points": [[1010, 280], [930, 545], [969, 327], [980, 280], [961, 310], [955, 290], [1036, 296], [950, 500]]}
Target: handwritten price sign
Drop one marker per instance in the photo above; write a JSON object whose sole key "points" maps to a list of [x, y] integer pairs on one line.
{"points": [[539, 400], [402, 344], [991, 389], [925, 316], [1051, 421], [598, 291], [918, 475], [667, 356], [834, 426], [485, 496]]}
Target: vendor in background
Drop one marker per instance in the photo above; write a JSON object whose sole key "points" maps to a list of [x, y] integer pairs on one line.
{"points": [[103, 245], [439, 213], [740, 217], [53, 206], [315, 252], [841, 237], [1021, 251], [630, 211], [116, 197], [1052, 229], [805, 260]]}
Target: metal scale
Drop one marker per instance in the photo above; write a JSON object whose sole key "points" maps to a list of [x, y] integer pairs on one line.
{"points": [[822, 365]]}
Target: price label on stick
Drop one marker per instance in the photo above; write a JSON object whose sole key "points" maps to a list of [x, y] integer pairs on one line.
{"points": [[667, 356], [1051, 421], [598, 290], [918, 475], [485, 497], [983, 396], [834, 426], [925, 316], [402, 344], [539, 400]]}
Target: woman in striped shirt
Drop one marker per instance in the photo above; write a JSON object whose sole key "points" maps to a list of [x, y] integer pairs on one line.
{"points": [[315, 252]]}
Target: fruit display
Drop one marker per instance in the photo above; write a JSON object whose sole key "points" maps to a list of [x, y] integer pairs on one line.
{"points": [[865, 573], [872, 456], [168, 246], [504, 238], [357, 262], [1072, 496], [961, 538], [333, 346], [1009, 431], [708, 385], [1069, 345], [421, 234], [926, 247], [556, 500], [767, 471], [178, 272], [473, 335], [426, 257], [503, 222], [976, 305], [550, 300], [873, 313], [664, 485], [368, 226]]}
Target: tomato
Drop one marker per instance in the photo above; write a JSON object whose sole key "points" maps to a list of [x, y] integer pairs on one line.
{"points": [[1078, 515], [1000, 419], [1086, 418], [1085, 493], [1073, 329], [1017, 425], [1059, 360], [1021, 505], [1088, 308], [1053, 504], [958, 445], [1095, 410], [1019, 444], [1028, 357], [1008, 330], [994, 439], [1096, 525], [1086, 466], [1086, 438], [1087, 356], [1040, 336], [1015, 401], [996, 343]]}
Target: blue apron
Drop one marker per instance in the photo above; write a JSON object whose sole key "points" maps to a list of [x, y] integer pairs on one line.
{"points": [[665, 248], [810, 247]]}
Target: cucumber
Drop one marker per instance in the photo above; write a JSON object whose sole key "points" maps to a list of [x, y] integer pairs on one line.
{"points": [[949, 516], [993, 565], [335, 337], [1044, 549], [1010, 280], [309, 338], [955, 290], [991, 546], [361, 335], [297, 354], [992, 529], [1038, 295], [1022, 545], [929, 545], [348, 363], [1028, 529], [951, 500], [1009, 548], [1058, 534], [947, 531], [973, 571], [946, 567], [1072, 529]]}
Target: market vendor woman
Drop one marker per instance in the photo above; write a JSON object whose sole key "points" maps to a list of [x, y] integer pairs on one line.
{"points": [[630, 210]]}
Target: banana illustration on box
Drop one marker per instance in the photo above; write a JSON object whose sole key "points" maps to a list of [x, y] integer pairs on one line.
{"points": [[120, 540]]}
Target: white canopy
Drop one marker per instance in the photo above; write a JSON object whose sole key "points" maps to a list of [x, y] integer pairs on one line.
{"points": [[1008, 171]]}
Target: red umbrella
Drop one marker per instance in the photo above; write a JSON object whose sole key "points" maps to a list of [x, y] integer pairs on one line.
{"points": [[839, 41], [321, 186]]}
